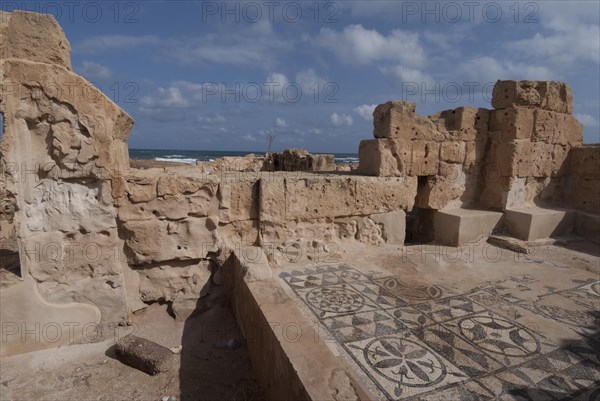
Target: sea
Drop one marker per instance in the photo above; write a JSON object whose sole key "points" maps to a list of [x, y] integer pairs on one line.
{"points": [[190, 156]]}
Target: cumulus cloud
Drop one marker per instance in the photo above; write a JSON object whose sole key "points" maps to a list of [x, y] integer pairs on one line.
{"points": [[587, 120], [569, 33], [170, 97], [355, 44], [92, 70], [403, 74], [487, 69], [341, 119], [280, 122], [211, 118], [365, 111]]}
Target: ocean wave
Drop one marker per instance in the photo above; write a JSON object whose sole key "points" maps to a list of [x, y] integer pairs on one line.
{"points": [[176, 160], [346, 159]]}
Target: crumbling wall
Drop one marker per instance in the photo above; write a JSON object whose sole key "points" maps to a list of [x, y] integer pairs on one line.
{"points": [[176, 221], [63, 149], [515, 155], [532, 131], [583, 189], [446, 149]]}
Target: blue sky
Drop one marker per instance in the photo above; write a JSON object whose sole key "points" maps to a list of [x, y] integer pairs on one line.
{"points": [[222, 75]]}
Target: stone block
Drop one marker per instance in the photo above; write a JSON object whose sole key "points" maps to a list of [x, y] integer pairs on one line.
{"points": [[546, 95], [143, 354], [35, 37], [393, 226], [425, 158], [398, 120], [456, 227], [238, 200], [385, 157], [452, 152], [466, 123], [584, 192], [557, 128], [154, 240], [513, 123], [438, 192], [530, 224], [585, 160], [165, 282]]}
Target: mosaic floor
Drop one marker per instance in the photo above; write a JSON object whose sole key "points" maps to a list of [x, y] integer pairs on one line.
{"points": [[430, 343]]}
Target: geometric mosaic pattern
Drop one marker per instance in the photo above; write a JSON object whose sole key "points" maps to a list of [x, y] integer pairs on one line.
{"points": [[420, 342]]}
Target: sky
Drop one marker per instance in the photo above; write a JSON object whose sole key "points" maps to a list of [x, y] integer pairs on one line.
{"points": [[203, 75]]}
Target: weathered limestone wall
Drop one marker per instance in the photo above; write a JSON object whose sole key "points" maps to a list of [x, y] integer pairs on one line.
{"points": [[583, 190], [175, 221], [446, 149], [63, 148], [532, 131], [515, 155]]}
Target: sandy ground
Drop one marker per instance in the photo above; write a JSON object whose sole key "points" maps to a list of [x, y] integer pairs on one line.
{"points": [[90, 372]]}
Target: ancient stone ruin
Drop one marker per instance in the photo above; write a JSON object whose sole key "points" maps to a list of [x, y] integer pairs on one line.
{"points": [[98, 240]]}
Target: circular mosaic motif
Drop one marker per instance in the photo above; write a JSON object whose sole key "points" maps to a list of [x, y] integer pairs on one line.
{"points": [[404, 362], [416, 292], [350, 275], [499, 336], [335, 299]]}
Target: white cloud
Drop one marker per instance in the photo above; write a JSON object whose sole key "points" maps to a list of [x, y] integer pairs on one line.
{"points": [[170, 97], [280, 122], [249, 138], [356, 44], [92, 70], [309, 81], [341, 119], [365, 111], [248, 44], [275, 82], [404, 74], [487, 69], [587, 120], [211, 118], [580, 43], [115, 42], [572, 34]]}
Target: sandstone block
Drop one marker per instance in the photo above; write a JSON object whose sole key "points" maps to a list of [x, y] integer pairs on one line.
{"points": [[143, 354], [513, 123], [585, 160], [238, 200], [546, 95], [585, 192], [398, 120], [393, 226], [438, 192], [167, 281], [558, 128], [149, 241], [392, 194], [385, 157], [466, 123], [452, 152], [425, 158], [35, 37]]}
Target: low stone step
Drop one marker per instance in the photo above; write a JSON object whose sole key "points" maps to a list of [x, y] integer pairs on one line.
{"points": [[533, 223], [455, 227]]}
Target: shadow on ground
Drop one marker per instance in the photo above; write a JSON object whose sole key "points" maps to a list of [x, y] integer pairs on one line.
{"points": [[214, 359], [579, 381]]}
